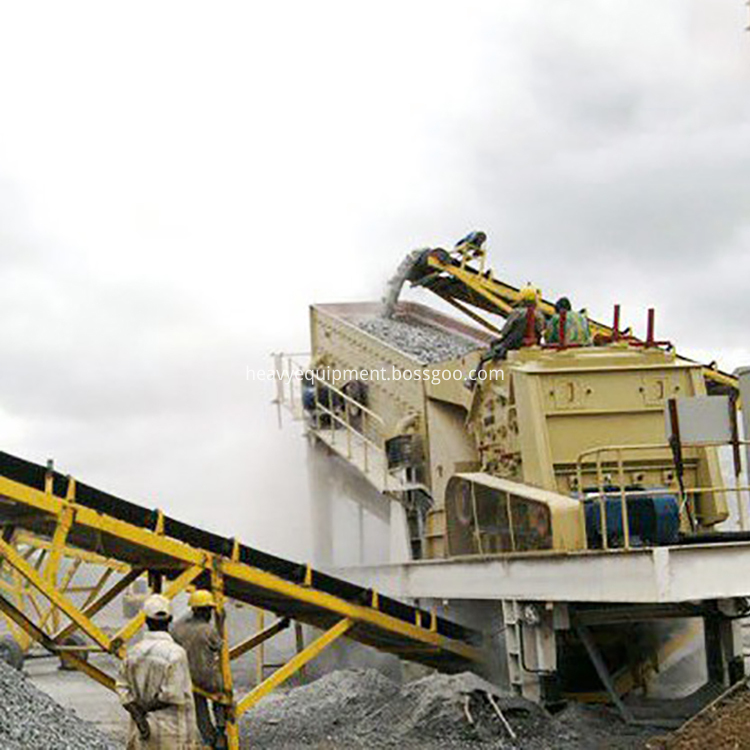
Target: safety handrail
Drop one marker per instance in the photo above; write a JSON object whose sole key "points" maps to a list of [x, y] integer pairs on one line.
{"points": [[499, 297], [370, 418], [624, 494]]}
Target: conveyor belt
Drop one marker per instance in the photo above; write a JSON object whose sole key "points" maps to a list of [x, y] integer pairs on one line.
{"points": [[462, 284], [35, 499]]}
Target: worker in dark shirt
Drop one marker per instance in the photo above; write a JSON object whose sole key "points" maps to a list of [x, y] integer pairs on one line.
{"points": [[202, 641], [514, 331]]}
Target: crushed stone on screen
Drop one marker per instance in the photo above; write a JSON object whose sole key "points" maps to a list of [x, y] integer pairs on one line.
{"points": [[424, 343]]}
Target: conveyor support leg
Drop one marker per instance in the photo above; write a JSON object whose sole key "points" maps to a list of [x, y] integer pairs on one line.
{"points": [[293, 665]]}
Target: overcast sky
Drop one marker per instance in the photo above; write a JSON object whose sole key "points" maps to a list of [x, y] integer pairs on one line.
{"points": [[178, 181]]}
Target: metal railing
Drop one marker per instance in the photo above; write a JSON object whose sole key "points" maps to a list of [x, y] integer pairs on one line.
{"points": [[368, 434], [624, 494], [279, 370]]}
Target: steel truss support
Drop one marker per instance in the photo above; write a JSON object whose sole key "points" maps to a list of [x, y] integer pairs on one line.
{"points": [[46, 556], [260, 637], [36, 571], [217, 585], [43, 585], [602, 671], [177, 586], [90, 607], [57, 549], [81, 620], [293, 665], [34, 543], [54, 648]]}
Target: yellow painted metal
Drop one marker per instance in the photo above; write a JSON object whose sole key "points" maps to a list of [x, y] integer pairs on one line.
{"points": [[348, 610], [39, 635], [187, 555], [34, 603], [36, 543], [93, 591], [293, 665], [175, 587], [57, 547], [91, 607], [65, 588], [217, 586], [474, 316], [486, 287], [503, 296], [258, 638], [214, 697], [56, 551], [15, 587], [260, 658], [8, 552], [106, 524], [188, 563]]}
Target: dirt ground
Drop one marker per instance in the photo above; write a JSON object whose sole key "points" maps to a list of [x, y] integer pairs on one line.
{"points": [[723, 726]]}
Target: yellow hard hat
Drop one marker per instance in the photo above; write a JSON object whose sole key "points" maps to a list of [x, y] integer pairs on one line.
{"points": [[529, 293], [201, 598]]}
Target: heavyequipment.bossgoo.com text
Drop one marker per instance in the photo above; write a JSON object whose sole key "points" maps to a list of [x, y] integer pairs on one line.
{"points": [[333, 375]]}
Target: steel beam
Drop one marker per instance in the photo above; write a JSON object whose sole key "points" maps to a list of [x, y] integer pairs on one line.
{"points": [[65, 588], [34, 543], [293, 665], [602, 671], [345, 609], [261, 637], [13, 558], [231, 728], [39, 635], [178, 585], [180, 555], [660, 575], [91, 608]]}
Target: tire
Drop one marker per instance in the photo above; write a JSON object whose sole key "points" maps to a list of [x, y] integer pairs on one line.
{"points": [[73, 640], [10, 652]]}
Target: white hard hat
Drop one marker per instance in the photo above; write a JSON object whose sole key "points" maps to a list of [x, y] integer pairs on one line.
{"points": [[157, 607]]}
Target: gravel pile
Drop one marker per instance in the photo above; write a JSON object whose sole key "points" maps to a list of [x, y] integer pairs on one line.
{"points": [[597, 727], [357, 709], [426, 344], [29, 718], [454, 711], [314, 715]]}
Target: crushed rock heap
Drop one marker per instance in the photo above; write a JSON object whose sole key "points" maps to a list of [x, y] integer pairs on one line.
{"points": [[426, 344], [363, 709], [29, 718]]}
